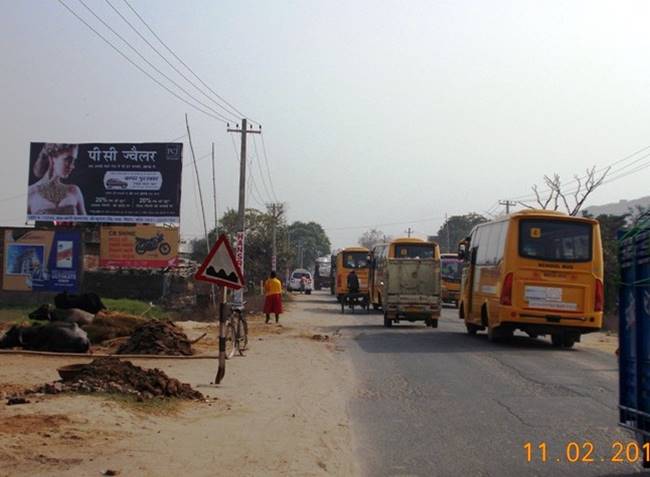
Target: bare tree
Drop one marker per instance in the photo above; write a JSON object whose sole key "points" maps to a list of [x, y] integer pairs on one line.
{"points": [[572, 200], [372, 237]]}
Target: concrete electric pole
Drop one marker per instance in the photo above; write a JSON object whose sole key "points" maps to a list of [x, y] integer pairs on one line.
{"points": [[508, 204], [241, 216]]}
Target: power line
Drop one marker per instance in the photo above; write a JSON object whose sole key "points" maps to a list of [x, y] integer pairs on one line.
{"points": [[428, 219], [155, 80], [623, 159], [219, 105], [259, 168], [268, 169], [237, 111], [111, 29]]}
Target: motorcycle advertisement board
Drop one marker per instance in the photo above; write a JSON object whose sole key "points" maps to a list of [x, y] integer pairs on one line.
{"points": [[41, 260], [108, 183], [138, 246]]}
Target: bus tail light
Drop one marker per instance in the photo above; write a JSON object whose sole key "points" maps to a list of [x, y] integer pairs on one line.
{"points": [[599, 299], [506, 290]]}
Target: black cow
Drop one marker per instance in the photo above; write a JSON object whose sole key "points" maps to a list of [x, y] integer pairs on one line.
{"points": [[71, 315], [59, 337], [89, 302]]}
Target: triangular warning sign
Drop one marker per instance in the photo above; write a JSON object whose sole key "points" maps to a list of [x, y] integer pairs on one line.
{"points": [[220, 266]]}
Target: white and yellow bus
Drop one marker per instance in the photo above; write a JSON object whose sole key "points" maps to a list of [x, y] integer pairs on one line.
{"points": [[537, 271]]}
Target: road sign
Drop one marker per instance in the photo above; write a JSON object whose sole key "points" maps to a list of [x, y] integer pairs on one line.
{"points": [[220, 266]]}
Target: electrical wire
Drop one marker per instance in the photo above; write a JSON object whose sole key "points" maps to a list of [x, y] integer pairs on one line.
{"points": [[242, 115], [145, 72], [137, 32], [428, 219], [268, 169], [151, 65], [259, 168]]}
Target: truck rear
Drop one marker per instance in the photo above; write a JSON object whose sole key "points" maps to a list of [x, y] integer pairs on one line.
{"points": [[412, 291]]}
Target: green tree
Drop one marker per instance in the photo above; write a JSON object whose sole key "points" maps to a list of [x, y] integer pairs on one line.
{"points": [[609, 227], [456, 228], [258, 247], [308, 241]]}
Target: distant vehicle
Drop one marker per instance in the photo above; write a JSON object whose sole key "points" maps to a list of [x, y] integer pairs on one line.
{"points": [[348, 259], [116, 184], [322, 272], [301, 280], [538, 271], [450, 270], [405, 281]]}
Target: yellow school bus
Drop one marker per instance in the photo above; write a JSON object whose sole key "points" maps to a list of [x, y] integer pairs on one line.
{"points": [[348, 259], [450, 269], [537, 271]]}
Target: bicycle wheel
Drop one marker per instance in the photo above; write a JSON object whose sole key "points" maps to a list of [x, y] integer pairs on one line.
{"points": [[230, 340], [242, 333]]}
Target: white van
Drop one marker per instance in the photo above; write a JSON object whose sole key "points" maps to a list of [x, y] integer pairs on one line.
{"points": [[301, 280]]}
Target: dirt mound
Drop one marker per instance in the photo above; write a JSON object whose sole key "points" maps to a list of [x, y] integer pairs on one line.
{"points": [[111, 375], [157, 337]]}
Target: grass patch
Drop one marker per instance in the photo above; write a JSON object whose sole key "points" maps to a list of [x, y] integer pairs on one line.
{"points": [[155, 406], [136, 307]]}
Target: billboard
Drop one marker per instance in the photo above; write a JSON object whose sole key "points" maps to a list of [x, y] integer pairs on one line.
{"points": [[97, 182], [139, 246], [41, 260]]}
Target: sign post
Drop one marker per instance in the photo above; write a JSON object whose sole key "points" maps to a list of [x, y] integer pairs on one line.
{"points": [[221, 268]]}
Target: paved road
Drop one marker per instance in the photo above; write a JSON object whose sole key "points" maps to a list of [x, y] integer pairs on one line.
{"points": [[437, 402]]}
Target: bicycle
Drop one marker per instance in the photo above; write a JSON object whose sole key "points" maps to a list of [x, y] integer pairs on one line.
{"points": [[236, 331]]}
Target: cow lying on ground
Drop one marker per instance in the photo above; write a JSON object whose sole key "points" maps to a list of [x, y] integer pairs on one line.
{"points": [[72, 315], [57, 336], [89, 302]]}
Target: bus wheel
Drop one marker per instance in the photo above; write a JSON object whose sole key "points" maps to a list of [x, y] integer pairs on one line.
{"points": [[471, 329], [561, 340]]}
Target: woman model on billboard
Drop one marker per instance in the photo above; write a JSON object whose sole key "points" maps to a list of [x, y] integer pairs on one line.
{"points": [[48, 195]]}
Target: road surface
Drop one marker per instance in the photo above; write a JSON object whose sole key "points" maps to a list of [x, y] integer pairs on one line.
{"points": [[431, 402]]}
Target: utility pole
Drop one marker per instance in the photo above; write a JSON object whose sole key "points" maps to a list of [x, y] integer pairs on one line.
{"points": [[409, 232], [276, 212], [241, 216], [448, 233], [214, 198], [508, 204]]}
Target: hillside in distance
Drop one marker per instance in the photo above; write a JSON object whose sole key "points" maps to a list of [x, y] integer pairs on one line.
{"points": [[619, 208]]}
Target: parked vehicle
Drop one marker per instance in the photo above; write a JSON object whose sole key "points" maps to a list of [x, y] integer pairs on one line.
{"points": [[450, 270], [322, 273], [301, 280], [537, 271], [405, 281]]}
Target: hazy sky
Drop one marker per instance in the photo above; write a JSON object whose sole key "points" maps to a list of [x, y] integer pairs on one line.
{"points": [[374, 112]]}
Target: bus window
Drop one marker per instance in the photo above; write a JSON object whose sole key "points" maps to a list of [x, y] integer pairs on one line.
{"points": [[355, 260], [414, 250], [555, 240], [451, 269]]}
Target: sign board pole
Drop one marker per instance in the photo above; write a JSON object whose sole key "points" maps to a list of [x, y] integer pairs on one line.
{"points": [[220, 267], [221, 371]]}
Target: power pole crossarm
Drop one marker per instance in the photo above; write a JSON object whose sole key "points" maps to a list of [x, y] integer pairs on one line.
{"points": [[508, 204]]}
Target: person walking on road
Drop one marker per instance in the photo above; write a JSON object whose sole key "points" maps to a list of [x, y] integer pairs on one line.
{"points": [[273, 297]]}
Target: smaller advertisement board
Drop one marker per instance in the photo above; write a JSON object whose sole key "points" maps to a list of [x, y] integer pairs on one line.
{"points": [[41, 260], [139, 246]]}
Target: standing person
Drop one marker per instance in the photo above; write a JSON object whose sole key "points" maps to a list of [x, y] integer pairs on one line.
{"points": [[273, 299]]}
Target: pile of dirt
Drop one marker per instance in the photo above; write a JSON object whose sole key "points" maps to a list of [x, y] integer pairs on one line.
{"points": [[157, 337], [111, 375]]}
